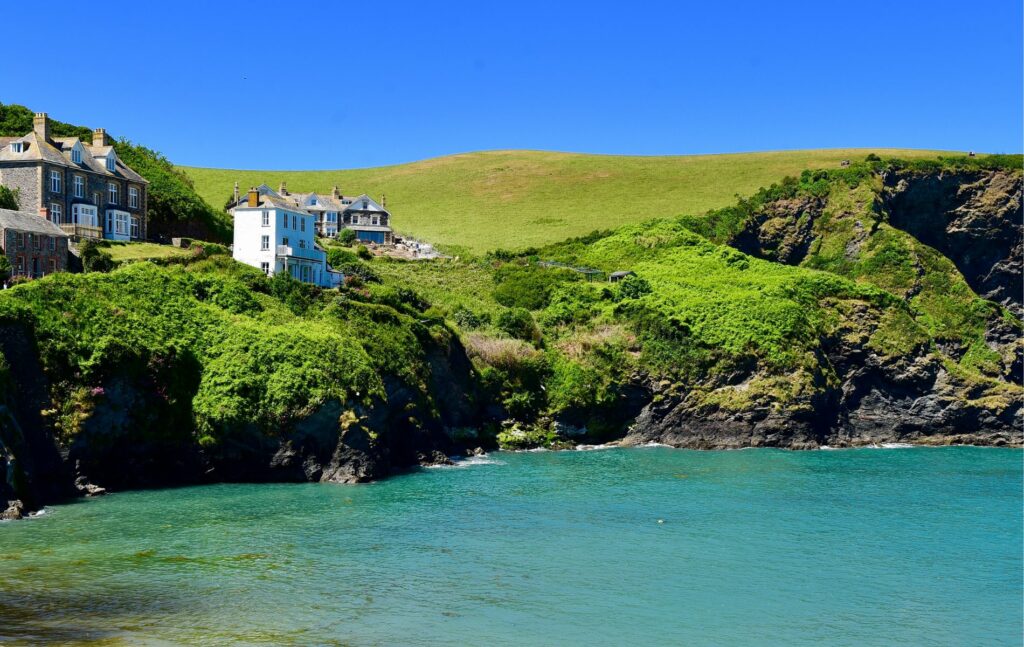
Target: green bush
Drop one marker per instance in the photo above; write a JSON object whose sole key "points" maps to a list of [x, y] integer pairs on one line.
{"points": [[469, 320], [8, 198], [95, 259], [633, 287], [363, 252], [518, 323], [346, 236]]}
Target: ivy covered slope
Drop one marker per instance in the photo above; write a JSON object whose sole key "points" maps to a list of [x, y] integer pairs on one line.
{"points": [[175, 209], [849, 328], [207, 371]]}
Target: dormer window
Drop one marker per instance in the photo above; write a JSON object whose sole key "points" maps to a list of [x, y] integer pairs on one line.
{"points": [[18, 147], [76, 156], [312, 201], [111, 163]]}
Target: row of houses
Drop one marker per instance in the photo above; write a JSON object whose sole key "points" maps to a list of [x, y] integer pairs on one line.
{"points": [[276, 230], [69, 190]]}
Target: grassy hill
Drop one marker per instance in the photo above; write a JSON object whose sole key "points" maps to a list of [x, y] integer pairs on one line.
{"points": [[515, 199]]}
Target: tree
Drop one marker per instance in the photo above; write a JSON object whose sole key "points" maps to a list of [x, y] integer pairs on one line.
{"points": [[5, 267], [8, 198]]}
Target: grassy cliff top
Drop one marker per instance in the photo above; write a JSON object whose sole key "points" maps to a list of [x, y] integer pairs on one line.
{"points": [[515, 199]]}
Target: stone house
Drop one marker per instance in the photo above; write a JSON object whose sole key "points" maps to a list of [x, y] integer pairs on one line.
{"points": [[333, 212], [83, 188], [34, 246]]}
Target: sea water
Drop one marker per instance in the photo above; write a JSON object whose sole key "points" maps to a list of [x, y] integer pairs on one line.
{"points": [[646, 546]]}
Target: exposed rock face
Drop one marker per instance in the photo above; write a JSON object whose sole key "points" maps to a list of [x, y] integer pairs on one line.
{"points": [[910, 398], [972, 217], [782, 232], [138, 432]]}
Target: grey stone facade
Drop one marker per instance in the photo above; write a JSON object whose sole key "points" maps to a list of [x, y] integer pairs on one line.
{"points": [[27, 165], [33, 246]]}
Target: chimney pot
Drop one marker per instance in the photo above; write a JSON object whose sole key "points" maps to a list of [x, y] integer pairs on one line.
{"points": [[254, 198], [335, 193], [41, 125], [283, 189]]}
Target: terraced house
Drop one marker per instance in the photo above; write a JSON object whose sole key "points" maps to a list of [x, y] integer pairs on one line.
{"points": [[332, 212], [82, 188]]}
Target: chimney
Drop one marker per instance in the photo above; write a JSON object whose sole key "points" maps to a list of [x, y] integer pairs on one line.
{"points": [[41, 125], [283, 190], [254, 197], [99, 137], [44, 213], [383, 201], [234, 195], [335, 193]]}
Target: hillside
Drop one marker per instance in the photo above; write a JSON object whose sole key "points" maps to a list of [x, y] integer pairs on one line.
{"points": [[811, 313], [174, 207], [515, 199]]}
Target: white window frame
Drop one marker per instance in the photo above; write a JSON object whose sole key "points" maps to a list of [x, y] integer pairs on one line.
{"points": [[264, 243], [18, 147], [134, 226], [76, 156], [111, 163], [265, 266], [133, 197], [113, 193], [266, 218], [53, 244], [55, 182], [56, 212], [79, 184]]}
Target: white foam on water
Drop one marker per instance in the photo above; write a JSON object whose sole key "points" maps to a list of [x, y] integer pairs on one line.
{"points": [[654, 444], [896, 446], [470, 461], [590, 448]]}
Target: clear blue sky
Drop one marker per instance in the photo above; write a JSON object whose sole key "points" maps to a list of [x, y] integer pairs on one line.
{"points": [[303, 84]]}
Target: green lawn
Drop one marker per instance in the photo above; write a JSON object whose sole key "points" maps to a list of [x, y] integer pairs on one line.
{"points": [[515, 199], [143, 251]]}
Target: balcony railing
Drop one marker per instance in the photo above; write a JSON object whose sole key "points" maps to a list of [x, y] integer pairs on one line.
{"points": [[81, 231], [299, 252]]}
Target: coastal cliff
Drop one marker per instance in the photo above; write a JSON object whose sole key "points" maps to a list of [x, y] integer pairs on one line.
{"points": [[870, 304]]}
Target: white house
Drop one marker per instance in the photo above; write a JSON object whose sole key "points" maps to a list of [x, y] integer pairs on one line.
{"points": [[332, 212], [276, 237]]}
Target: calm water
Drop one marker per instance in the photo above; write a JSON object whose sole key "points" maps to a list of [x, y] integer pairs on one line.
{"points": [[855, 547]]}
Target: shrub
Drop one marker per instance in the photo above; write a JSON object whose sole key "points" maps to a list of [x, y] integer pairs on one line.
{"points": [[518, 323], [633, 287], [95, 259], [469, 320], [8, 198], [363, 252], [527, 287], [336, 257], [346, 237], [5, 267]]}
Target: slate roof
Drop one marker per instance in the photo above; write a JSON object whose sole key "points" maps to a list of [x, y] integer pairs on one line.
{"points": [[57, 151], [30, 222]]}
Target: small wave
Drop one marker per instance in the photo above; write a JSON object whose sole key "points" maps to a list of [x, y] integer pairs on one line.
{"points": [[470, 461], [654, 444], [37, 513], [590, 448], [891, 446]]}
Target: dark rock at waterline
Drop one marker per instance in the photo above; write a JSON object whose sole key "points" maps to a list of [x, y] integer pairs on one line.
{"points": [[15, 510]]}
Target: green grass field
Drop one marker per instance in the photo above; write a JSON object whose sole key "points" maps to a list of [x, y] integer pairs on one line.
{"points": [[143, 251], [515, 199]]}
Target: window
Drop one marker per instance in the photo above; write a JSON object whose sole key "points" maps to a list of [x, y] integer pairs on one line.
{"points": [[55, 181], [79, 186], [375, 220], [266, 218], [295, 221], [53, 265], [284, 241], [284, 221], [302, 244], [18, 147], [21, 265], [133, 197], [36, 240], [135, 226], [21, 240], [120, 223], [53, 243], [264, 243], [266, 268], [302, 224], [76, 156], [56, 212], [112, 192], [312, 201], [111, 163], [96, 198]]}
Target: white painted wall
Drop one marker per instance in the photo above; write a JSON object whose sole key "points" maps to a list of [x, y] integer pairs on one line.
{"points": [[294, 229]]}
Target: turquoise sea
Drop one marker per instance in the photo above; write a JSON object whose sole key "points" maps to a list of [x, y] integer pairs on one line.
{"points": [[645, 546]]}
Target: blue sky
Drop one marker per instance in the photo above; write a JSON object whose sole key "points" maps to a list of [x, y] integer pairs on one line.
{"points": [[303, 84]]}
